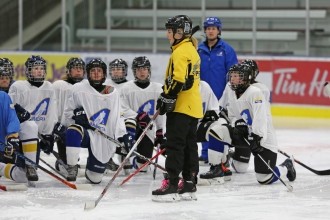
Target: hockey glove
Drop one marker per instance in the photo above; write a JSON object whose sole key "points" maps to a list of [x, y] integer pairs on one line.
{"points": [[143, 120], [255, 146], [127, 143], [239, 133], [80, 118], [59, 131], [130, 124], [12, 146], [210, 115], [160, 139], [21, 113], [47, 143], [165, 103]]}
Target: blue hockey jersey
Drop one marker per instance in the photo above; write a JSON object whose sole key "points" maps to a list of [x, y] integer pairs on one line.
{"points": [[9, 123]]}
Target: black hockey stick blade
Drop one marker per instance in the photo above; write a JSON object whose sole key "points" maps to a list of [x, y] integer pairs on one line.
{"points": [[318, 172]]}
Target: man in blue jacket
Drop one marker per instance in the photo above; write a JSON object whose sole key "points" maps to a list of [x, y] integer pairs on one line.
{"points": [[217, 56]]}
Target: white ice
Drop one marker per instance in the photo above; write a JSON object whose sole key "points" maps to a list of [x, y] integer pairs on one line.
{"points": [[240, 198]]}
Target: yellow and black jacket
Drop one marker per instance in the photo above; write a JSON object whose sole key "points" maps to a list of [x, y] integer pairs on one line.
{"points": [[184, 64]]}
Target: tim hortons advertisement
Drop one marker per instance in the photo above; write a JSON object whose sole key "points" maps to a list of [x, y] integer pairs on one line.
{"points": [[298, 81]]}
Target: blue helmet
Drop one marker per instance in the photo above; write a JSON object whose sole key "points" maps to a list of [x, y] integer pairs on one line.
{"points": [[212, 22]]}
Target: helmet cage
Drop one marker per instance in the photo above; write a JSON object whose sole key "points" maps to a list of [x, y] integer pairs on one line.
{"points": [[115, 65], [93, 64], [244, 71], [6, 68], [30, 64], [75, 62], [141, 62]]}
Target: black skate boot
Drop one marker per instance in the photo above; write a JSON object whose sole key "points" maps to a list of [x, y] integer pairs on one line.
{"points": [[291, 174], [166, 193], [31, 173], [226, 172], [111, 165], [186, 190], [72, 173], [212, 177]]}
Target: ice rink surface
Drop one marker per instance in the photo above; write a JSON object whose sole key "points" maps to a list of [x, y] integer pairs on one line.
{"points": [[240, 198]]}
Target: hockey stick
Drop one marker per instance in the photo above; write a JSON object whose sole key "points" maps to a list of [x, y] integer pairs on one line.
{"points": [[318, 172], [156, 162], [51, 167], [150, 161], [120, 145], [71, 185], [92, 204], [288, 186], [140, 168], [18, 187]]}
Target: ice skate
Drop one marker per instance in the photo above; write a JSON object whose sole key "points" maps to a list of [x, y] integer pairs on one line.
{"points": [[186, 190], [72, 173], [166, 193], [226, 172], [214, 176], [291, 174], [31, 173], [111, 165]]}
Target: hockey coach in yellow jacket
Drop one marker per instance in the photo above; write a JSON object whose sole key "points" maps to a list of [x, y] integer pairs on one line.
{"points": [[181, 101]]}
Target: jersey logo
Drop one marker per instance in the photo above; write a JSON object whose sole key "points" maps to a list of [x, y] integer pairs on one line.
{"points": [[40, 112], [246, 116], [148, 107], [100, 119]]}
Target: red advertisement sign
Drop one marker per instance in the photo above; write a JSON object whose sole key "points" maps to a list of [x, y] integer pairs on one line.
{"points": [[298, 81]]}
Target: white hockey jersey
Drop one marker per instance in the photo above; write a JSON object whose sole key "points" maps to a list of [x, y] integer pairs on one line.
{"points": [[209, 100], [40, 102], [61, 87], [255, 111], [136, 100], [103, 112]]}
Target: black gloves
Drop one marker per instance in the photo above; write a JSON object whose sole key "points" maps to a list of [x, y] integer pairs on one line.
{"points": [[143, 120], [165, 103], [21, 113], [255, 146], [160, 139], [59, 131], [127, 144], [80, 118], [12, 146], [210, 115], [239, 133], [47, 143]]}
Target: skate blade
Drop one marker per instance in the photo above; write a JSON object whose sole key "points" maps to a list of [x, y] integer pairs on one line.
{"points": [[174, 197], [188, 197], [227, 178], [208, 182]]}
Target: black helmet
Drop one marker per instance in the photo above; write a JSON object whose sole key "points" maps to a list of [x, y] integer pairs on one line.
{"points": [[180, 21], [177, 22], [92, 64], [75, 62], [254, 66], [141, 62], [118, 64], [7, 70], [244, 72], [30, 63]]}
